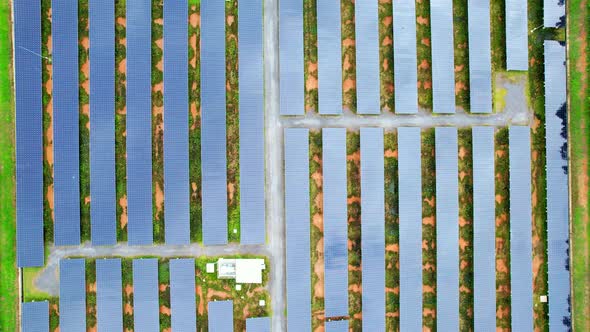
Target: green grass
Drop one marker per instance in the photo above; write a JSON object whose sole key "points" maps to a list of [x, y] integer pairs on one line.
{"points": [[391, 231], [316, 234], [428, 229], [354, 228]]}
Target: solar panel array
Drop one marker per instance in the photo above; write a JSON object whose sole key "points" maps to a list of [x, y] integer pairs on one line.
{"points": [[182, 294], [410, 228], [64, 30], [480, 59], [139, 122], [102, 122], [29, 137], [368, 98], [335, 222], [443, 60], [251, 82], [213, 130], [447, 229], [72, 295], [484, 228], [291, 57], [554, 13], [109, 298], [557, 185], [298, 259], [517, 45], [146, 315], [521, 248], [337, 326], [258, 324], [221, 316], [329, 57], [373, 229], [35, 316], [176, 184], [405, 65]]}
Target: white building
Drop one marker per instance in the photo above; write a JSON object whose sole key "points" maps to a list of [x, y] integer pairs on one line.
{"points": [[244, 271]]}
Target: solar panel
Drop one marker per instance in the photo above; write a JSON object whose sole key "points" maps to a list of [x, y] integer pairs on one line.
{"points": [[145, 295], [480, 61], [410, 229], [443, 65], [337, 326], [484, 238], [335, 222], [109, 298], [102, 122], [405, 65], [521, 248], [447, 229], [554, 13], [221, 316], [291, 57], [139, 122], [557, 185], [213, 140], [297, 229], [368, 94], [182, 294], [35, 317], [329, 57], [176, 184], [29, 126], [258, 324], [252, 216], [517, 44], [64, 27], [373, 229], [72, 294]]}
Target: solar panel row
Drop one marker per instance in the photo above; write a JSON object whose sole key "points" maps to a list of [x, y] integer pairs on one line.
{"points": [[368, 98], [64, 30], [139, 122], [221, 316], [335, 222], [517, 50], [405, 65], [182, 294], [145, 295], [102, 122], [480, 65], [72, 294], [29, 126], [329, 57], [554, 13], [521, 251], [410, 228], [258, 324], [291, 57], [109, 298], [298, 260], [557, 185], [35, 316], [251, 82], [337, 326], [373, 229], [213, 130], [443, 65], [176, 184]]}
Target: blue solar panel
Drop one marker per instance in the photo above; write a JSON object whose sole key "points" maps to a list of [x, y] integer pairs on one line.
{"points": [[373, 229], [176, 185], [405, 65], [443, 65], [410, 229], [554, 14], [484, 238], [29, 141], [182, 294], [221, 316], [329, 57], [145, 295], [291, 57], [447, 229], [213, 139], [64, 27], [480, 58], [335, 222], [35, 317], [521, 248], [368, 98], [258, 324], [109, 298], [102, 122], [139, 122], [557, 186], [517, 42], [297, 229], [337, 326], [72, 295], [252, 216]]}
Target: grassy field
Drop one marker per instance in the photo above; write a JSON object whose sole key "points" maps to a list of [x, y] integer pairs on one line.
{"points": [[428, 230], [354, 229], [392, 309], [317, 229]]}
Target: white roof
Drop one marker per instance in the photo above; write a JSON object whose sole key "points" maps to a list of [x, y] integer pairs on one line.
{"points": [[249, 271]]}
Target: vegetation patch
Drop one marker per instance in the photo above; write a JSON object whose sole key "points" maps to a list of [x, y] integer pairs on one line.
{"points": [[386, 55], [423, 54], [310, 55], [428, 230], [84, 119], [120, 119], [354, 230], [317, 229], [348, 55], [461, 38], [392, 309], [158, 120]]}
